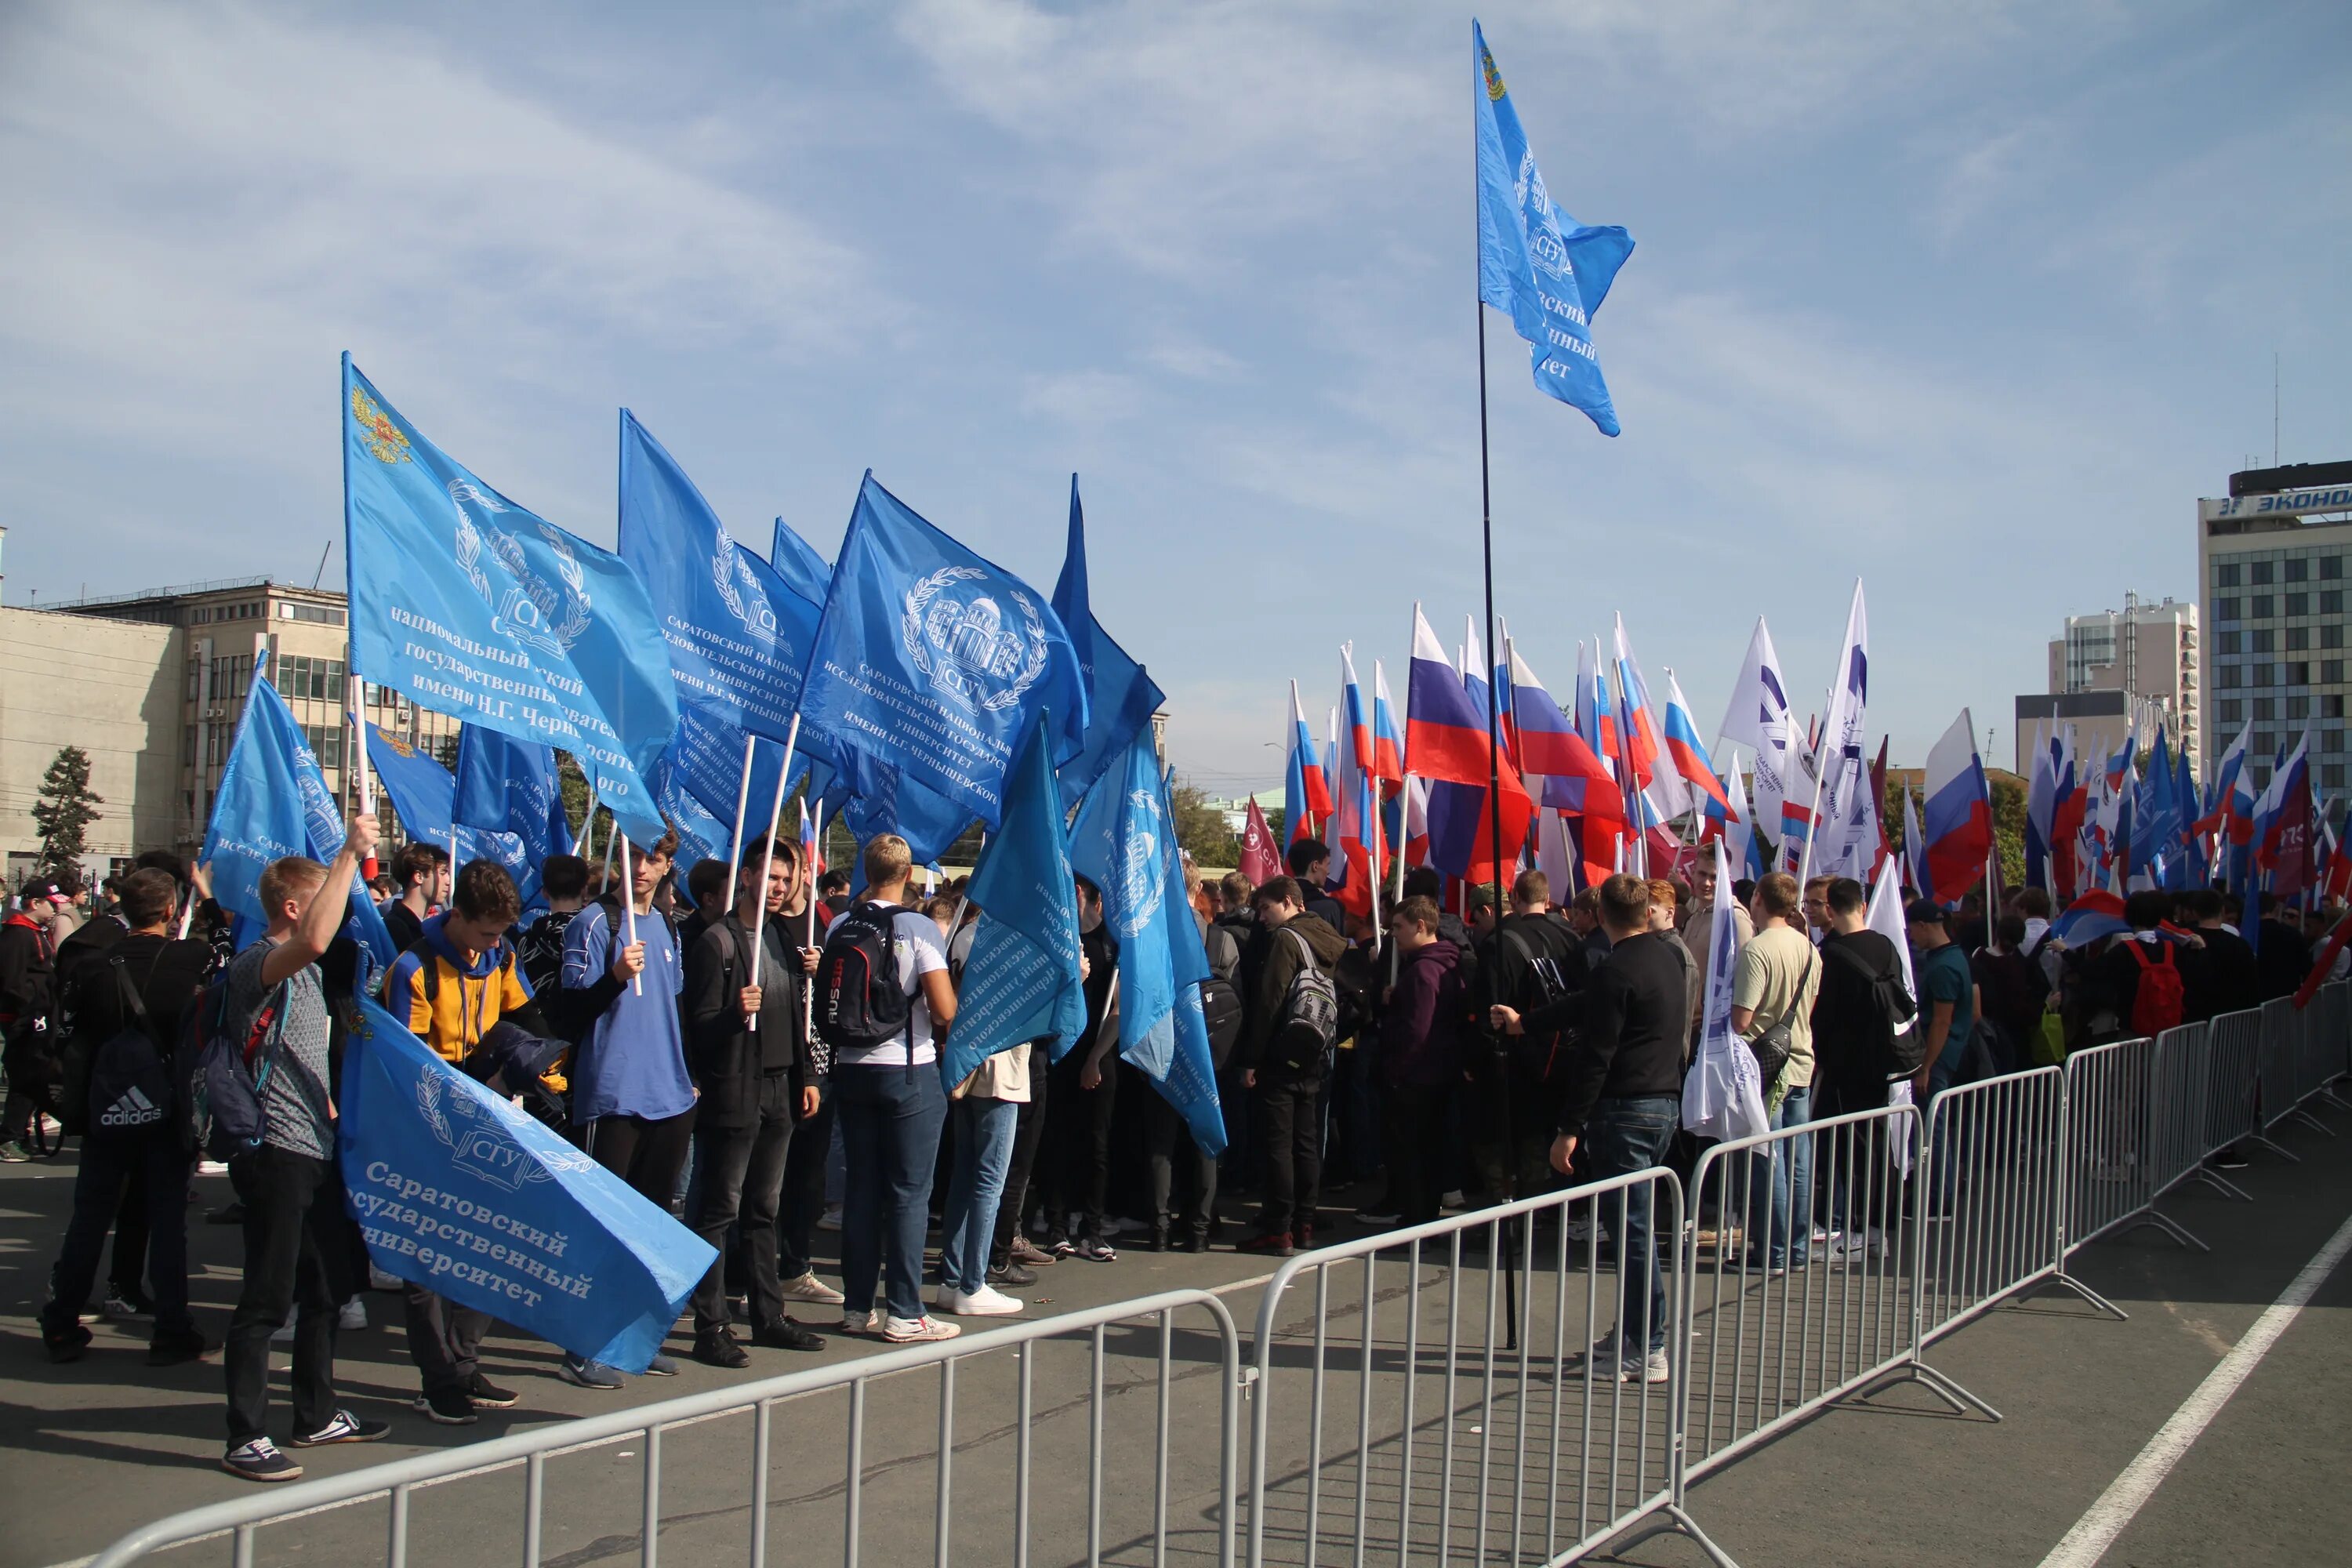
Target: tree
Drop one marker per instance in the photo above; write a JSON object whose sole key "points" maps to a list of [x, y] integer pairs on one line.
{"points": [[67, 808], [2008, 823], [1200, 829]]}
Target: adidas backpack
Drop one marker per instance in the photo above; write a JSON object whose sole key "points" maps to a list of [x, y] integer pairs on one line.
{"points": [[859, 1003]]}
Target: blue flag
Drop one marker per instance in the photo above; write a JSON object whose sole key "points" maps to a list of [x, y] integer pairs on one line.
{"points": [[931, 660], [471, 605], [274, 802], [513, 789], [801, 568], [425, 794], [1119, 695], [1536, 264], [873, 798], [1021, 981], [1124, 838], [457, 1189], [1190, 1084], [738, 637]]}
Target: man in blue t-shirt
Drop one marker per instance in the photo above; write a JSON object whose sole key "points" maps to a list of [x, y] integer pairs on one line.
{"points": [[1948, 998], [631, 1094]]}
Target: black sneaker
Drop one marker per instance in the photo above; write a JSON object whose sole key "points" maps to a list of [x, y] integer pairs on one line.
{"points": [[582, 1372], [346, 1427], [783, 1335], [259, 1460], [721, 1350], [172, 1349], [65, 1344], [2231, 1159], [661, 1366], [490, 1395], [447, 1406], [1012, 1274]]}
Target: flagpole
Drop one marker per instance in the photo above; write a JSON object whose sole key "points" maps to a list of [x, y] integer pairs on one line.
{"points": [[350, 621], [808, 898], [743, 806], [768, 861], [629, 909], [1486, 552]]}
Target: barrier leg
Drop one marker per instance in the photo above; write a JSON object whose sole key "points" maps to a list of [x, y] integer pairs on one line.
{"points": [[2220, 1184], [2165, 1223], [2315, 1121], [1671, 1518], [2289, 1155], [2087, 1294]]}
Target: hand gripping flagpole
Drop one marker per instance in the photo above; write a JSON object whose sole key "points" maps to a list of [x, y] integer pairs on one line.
{"points": [[629, 909], [768, 860]]}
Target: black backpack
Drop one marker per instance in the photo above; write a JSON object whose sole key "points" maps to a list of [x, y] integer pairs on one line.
{"points": [[859, 1003], [1540, 985], [1221, 999], [122, 1083], [1896, 1044], [225, 1112]]}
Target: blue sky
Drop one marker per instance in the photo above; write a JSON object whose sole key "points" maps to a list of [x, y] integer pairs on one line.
{"points": [[1971, 299]]}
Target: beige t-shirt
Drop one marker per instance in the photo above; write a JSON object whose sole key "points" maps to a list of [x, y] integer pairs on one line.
{"points": [[1766, 978]]}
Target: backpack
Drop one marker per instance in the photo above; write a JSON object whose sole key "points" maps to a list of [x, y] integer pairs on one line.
{"points": [[1894, 1045], [2157, 1001], [225, 1110], [1541, 985], [859, 1004], [124, 1077], [1308, 1027]]}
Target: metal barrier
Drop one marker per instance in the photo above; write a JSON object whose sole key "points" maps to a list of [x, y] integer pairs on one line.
{"points": [[2112, 1154], [2182, 1112], [1531, 1377], [1992, 1192], [2320, 1059], [2282, 1065], [400, 1482], [2233, 1115]]}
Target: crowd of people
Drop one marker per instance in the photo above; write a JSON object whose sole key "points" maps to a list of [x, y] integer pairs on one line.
{"points": [[1471, 1045]]}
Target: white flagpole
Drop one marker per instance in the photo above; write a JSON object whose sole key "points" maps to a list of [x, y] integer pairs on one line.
{"points": [[768, 862], [629, 908], [609, 825], [743, 806], [360, 761]]}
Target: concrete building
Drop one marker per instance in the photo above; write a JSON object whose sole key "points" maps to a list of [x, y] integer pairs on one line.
{"points": [[152, 684], [2147, 652], [2271, 560]]}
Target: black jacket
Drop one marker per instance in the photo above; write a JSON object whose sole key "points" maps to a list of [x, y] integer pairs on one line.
{"points": [[728, 1060], [1630, 1019], [1846, 1013], [1272, 984], [2220, 977]]}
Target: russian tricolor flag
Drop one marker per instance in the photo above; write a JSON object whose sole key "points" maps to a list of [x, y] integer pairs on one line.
{"points": [[1595, 721], [1386, 760], [1446, 744], [1957, 817], [1651, 767], [1689, 753], [1306, 793], [2096, 914], [1575, 781]]}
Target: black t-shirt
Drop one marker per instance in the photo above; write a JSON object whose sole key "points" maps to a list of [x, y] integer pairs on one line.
{"points": [[1845, 1009], [166, 973], [408, 928], [2220, 977]]}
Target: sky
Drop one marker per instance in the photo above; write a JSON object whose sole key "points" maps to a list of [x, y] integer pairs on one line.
{"points": [[1970, 300]]}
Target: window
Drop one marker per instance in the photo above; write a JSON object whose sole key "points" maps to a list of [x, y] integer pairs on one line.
{"points": [[2226, 577], [2233, 711], [2297, 568], [326, 743], [2257, 572], [2228, 676], [2260, 674], [2298, 638], [2298, 604], [2331, 741], [2298, 708], [2331, 775], [2230, 642], [2297, 673], [2265, 605], [2331, 568], [2331, 707], [2265, 746], [2331, 636], [2265, 709], [195, 678], [2331, 601], [2225, 609], [2264, 640], [2331, 670], [323, 615], [188, 748]]}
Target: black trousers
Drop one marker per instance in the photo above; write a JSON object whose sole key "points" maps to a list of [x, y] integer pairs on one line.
{"points": [[123, 1174], [743, 1177], [1169, 1143], [295, 1240], [1414, 1139], [1077, 1174], [444, 1340], [1028, 1134], [802, 1203], [131, 1235], [648, 1154], [1290, 1117]]}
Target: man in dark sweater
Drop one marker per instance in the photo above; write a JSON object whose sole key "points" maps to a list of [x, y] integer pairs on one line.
{"points": [[1622, 1098], [1287, 1073]]}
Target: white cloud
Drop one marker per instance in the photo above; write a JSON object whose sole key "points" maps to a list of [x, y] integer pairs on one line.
{"points": [[1088, 397]]}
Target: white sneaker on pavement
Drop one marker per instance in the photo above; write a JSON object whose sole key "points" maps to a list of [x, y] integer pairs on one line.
{"points": [[987, 1302], [353, 1317], [809, 1287], [918, 1331]]}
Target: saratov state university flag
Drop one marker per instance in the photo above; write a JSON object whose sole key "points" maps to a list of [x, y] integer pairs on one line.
{"points": [[931, 660], [471, 605], [423, 794], [1120, 697], [458, 1189], [1536, 264], [513, 787]]}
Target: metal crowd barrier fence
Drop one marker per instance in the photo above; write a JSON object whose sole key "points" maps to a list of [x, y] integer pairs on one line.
{"points": [[2321, 1059], [406, 1484], [2282, 1065], [1536, 1436], [2112, 1155], [1991, 1190], [2233, 1092], [2181, 1113]]}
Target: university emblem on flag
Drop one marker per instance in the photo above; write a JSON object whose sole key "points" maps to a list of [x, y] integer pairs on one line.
{"points": [[732, 574], [384, 440], [1493, 77], [1141, 870], [400, 747], [956, 637], [539, 613], [469, 1128]]}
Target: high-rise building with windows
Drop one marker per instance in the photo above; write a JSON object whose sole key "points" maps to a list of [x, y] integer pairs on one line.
{"points": [[2271, 559], [2121, 672]]}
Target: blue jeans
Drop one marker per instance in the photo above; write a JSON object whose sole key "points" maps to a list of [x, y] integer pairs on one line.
{"points": [[984, 1151], [1622, 1136], [890, 1121], [1790, 1170]]}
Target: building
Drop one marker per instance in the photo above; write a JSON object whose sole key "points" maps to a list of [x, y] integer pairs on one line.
{"points": [[2100, 718], [2148, 653], [151, 685], [2271, 561]]}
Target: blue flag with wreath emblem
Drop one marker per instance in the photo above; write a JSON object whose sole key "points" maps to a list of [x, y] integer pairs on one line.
{"points": [[469, 604], [1120, 695]]}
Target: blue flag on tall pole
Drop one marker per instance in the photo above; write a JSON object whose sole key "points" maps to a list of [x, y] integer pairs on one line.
{"points": [[425, 794], [274, 802], [1536, 264], [801, 568], [473, 606], [513, 788], [931, 660], [1021, 981], [457, 1189], [1190, 1082], [1120, 695], [1121, 840]]}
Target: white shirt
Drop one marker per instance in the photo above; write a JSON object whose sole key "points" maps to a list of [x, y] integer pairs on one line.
{"points": [[918, 947]]}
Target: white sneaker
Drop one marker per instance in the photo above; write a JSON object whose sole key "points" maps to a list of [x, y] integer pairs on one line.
{"points": [[831, 1219], [379, 1280], [352, 1317], [212, 1167], [987, 1302], [1651, 1368], [809, 1287], [1453, 1201], [1583, 1230], [918, 1331]]}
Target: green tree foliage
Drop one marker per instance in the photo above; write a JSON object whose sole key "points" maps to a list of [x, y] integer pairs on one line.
{"points": [[2008, 823], [65, 809], [1200, 830]]}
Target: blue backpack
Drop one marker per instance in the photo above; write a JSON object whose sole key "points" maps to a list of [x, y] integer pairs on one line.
{"points": [[225, 1112]]}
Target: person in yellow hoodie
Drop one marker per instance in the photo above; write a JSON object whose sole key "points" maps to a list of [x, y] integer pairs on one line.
{"points": [[460, 990]]}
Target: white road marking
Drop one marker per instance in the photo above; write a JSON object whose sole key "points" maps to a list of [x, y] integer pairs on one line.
{"points": [[2121, 1502]]}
